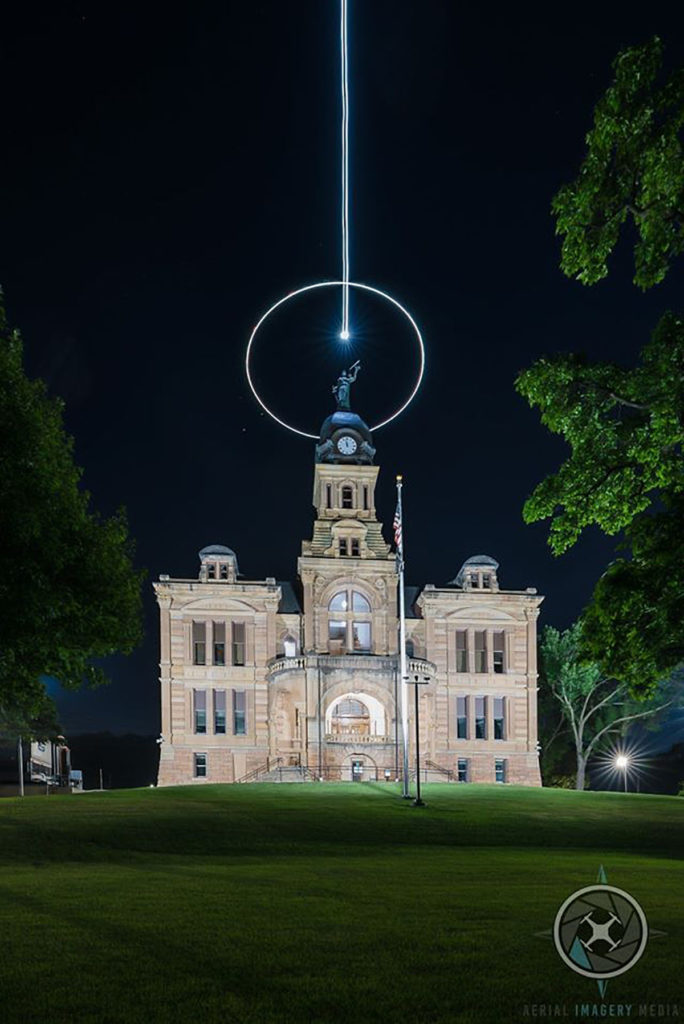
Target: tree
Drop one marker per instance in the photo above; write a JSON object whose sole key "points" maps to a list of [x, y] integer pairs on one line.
{"points": [[624, 426], [592, 705], [68, 589], [633, 169], [625, 429]]}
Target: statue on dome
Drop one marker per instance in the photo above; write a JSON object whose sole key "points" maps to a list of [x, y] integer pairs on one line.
{"points": [[342, 389]]}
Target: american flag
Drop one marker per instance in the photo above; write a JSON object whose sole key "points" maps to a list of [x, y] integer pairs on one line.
{"points": [[397, 529]]}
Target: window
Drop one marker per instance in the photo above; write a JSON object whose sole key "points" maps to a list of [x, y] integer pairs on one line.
{"points": [[480, 651], [349, 633], [239, 713], [461, 718], [499, 719], [486, 581], [347, 497], [499, 650], [474, 580], [355, 547], [328, 496], [289, 647], [219, 711], [238, 643], [463, 769], [224, 571], [199, 700], [480, 720], [365, 497], [500, 770], [199, 645], [219, 643], [343, 546], [361, 636], [211, 572], [461, 650], [337, 635], [410, 649], [200, 766]]}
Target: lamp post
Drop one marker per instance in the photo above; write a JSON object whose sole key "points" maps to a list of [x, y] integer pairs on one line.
{"points": [[416, 681], [622, 762]]}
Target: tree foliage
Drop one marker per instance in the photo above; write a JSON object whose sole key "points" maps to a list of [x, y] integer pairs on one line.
{"points": [[625, 429], [68, 589], [633, 170], [592, 705]]}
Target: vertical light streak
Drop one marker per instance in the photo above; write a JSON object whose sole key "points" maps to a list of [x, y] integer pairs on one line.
{"points": [[344, 333]]}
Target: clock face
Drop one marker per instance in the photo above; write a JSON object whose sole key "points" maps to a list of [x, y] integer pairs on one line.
{"points": [[346, 445]]}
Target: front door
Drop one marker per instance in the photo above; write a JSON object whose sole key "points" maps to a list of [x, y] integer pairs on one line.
{"points": [[357, 771]]}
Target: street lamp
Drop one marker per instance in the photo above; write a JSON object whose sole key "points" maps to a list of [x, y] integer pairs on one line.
{"points": [[416, 681], [622, 763]]}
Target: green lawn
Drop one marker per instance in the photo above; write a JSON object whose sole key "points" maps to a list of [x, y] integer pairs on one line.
{"points": [[307, 903]]}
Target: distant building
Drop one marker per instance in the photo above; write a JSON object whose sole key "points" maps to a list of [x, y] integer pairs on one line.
{"points": [[258, 675], [44, 761]]}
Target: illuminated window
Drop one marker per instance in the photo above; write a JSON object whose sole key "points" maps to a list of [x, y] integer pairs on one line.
{"points": [[480, 719], [499, 719], [461, 718], [289, 647], [461, 650], [480, 651], [219, 711], [361, 635], [499, 652], [199, 645], [238, 630], [219, 643], [200, 710], [200, 766], [239, 712], [347, 497], [353, 631]]}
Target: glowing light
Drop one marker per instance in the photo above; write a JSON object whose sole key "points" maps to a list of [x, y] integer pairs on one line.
{"points": [[335, 284], [345, 169], [621, 761], [345, 335]]}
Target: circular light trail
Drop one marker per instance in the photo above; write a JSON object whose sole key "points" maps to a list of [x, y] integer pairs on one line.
{"points": [[335, 284]]}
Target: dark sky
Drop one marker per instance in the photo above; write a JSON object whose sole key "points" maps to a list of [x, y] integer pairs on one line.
{"points": [[167, 176]]}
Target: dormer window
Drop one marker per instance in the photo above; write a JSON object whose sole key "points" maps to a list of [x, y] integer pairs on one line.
{"points": [[347, 497], [223, 572], [474, 580], [211, 572], [355, 547], [343, 546], [486, 581]]}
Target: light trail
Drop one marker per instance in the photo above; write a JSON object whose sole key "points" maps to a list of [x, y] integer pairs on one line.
{"points": [[335, 284], [344, 63]]}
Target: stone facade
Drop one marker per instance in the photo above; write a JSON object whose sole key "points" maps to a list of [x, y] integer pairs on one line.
{"points": [[265, 675]]}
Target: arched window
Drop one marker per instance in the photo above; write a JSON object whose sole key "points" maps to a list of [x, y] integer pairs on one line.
{"points": [[349, 623], [350, 717], [290, 646], [347, 497]]}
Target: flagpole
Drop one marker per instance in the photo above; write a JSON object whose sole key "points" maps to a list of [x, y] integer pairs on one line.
{"points": [[402, 641]]}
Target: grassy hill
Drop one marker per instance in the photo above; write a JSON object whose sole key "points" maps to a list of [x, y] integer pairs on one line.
{"points": [[306, 903]]}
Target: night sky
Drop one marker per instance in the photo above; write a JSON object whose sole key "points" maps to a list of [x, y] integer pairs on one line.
{"points": [[168, 175]]}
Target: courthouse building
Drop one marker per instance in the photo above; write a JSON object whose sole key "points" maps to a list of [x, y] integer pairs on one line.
{"points": [[268, 679]]}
